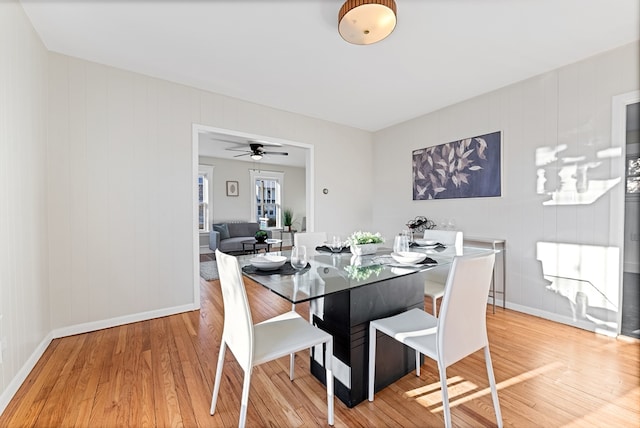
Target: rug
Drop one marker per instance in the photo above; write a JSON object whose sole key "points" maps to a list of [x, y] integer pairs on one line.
{"points": [[209, 270]]}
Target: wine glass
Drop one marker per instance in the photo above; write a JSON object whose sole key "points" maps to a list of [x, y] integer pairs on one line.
{"points": [[299, 257], [401, 243], [336, 244]]}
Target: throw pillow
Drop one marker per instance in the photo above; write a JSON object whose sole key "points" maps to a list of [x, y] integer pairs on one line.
{"points": [[223, 229]]}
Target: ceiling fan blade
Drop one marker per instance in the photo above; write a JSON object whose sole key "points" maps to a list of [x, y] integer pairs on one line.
{"points": [[238, 150], [222, 140], [276, 153], [243, 154], [265, 143]]}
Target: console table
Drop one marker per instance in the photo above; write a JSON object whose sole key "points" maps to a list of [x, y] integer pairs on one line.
{"points": [[499, 281], [283, 232]]}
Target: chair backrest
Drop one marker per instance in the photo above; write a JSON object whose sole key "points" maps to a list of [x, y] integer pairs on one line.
{"points": [[237, 332], [445, 237], [462, 327], [311, 240]]}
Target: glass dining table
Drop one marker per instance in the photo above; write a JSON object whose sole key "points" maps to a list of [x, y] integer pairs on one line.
{"points": [[345, 293]]}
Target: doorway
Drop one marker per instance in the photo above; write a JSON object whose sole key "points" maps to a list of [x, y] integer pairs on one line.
{"points": [[625, 129], [306, 160], [630, 322]]}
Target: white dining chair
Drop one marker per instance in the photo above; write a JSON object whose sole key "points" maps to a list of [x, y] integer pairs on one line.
{"points": [[459, 331], [311, 240], [436, 277], [254, 344]]}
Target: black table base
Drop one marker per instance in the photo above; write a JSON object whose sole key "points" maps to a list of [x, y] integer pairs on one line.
{"points": [[347, 315]]}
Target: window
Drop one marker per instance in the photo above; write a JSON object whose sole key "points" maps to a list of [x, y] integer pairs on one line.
{"points": [[633, 175], [633, 158], [267, 198], [205, 175]]}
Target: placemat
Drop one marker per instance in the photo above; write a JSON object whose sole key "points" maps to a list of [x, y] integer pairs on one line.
{"points": [[437, 247], [285, 269], [326, 249]]}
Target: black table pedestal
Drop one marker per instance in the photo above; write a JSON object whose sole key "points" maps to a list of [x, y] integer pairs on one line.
{"points": [[346, 317]]}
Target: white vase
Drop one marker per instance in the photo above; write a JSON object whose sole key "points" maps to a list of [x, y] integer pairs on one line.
{"points": [[364, 249]]}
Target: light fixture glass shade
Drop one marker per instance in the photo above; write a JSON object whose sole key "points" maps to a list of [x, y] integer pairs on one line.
{"points": [[363, 22], [256, 156]]}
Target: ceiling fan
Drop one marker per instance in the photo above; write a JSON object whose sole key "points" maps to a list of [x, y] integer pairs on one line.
{"points": [[256, 151]]}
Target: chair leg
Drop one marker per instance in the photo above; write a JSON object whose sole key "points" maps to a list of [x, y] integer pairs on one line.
{"points": [[434, 300], [445, 394], [372, 359], [492, 382], [216, 384], [328, 365], [245, 398], [292, 358], [417, 363]]}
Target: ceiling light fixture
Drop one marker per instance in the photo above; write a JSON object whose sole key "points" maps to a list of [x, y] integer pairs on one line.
{"points": [[256, 156], [363, 22]]}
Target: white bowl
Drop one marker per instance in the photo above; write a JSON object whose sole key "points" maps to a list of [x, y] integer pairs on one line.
{"points": [[268, 262], [425, 242], [408, 257]]}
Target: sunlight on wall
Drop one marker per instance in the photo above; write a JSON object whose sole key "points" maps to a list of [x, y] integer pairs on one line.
{"points": [[587, 277], [567, 180]]}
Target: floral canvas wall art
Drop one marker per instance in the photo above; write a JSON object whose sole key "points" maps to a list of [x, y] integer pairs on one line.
{"points": [[468, 168]]}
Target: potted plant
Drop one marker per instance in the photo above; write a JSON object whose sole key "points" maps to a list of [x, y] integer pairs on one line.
{"points": [[287, 218], [261, 235], [363, 243]]}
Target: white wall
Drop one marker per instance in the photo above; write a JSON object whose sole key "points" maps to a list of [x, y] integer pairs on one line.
{"points": [[571, 106], [120, 189], [24, 285]]}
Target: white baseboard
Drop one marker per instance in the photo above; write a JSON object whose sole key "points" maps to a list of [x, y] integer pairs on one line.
{"points": [[31, 362], [582, 324], [24, 371], [127, 319]]}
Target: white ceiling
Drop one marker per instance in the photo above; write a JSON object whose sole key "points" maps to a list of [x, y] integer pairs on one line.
{"points": [[287, 54]]}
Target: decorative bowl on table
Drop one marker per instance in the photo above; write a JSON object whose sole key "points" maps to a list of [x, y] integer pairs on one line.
{"points": [[268, 262], [425, 242], [408, 257]]}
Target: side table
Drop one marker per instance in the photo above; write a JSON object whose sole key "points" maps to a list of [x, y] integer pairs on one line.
{"points": [[256, 246]]}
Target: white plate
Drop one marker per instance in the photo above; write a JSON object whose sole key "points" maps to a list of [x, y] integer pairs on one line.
{"points": [[426, 242], [408, 257], [268, 262]]}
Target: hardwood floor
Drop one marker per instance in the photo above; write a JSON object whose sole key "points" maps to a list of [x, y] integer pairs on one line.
{"points": [[160, 373]]}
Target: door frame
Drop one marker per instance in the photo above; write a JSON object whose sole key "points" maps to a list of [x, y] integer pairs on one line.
{"points": [[619, 105], [196, 129]]}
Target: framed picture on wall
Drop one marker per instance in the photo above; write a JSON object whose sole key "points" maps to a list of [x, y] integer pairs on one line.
{"points": [[468, 168], [232, 188]]}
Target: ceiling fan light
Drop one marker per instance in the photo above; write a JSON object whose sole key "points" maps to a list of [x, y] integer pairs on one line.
{"points": [[256, 156], [363, 22]]}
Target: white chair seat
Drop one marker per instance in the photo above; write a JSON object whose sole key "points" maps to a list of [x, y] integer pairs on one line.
{"points": [[411, 327], [283, 335]]}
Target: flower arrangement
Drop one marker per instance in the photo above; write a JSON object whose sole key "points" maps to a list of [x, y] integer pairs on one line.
{"points": [[261, 235], [360, 273], [359, 238]]}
